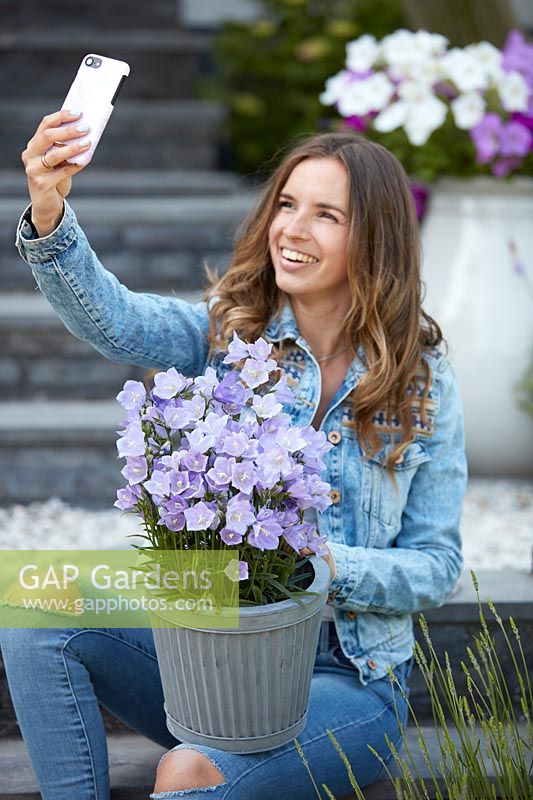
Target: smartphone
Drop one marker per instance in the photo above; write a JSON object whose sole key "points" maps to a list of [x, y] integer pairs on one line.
{"points": [[93, 92]]}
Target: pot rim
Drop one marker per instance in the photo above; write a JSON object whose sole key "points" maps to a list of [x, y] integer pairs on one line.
{"points": [[281, 614]]}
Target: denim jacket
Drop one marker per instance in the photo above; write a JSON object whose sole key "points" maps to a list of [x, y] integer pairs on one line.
{"points": [[396, 550]]}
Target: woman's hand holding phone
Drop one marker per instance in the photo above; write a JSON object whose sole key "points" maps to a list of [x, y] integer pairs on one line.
{"points": [[49, 176], [61, 147]]}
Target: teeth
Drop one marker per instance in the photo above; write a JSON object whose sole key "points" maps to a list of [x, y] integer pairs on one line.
{"points": [[293, 255]]}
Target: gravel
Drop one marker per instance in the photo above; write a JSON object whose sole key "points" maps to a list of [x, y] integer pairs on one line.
{"points": [[497, 526]]}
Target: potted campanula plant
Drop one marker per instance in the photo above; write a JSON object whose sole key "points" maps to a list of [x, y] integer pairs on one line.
{"points": [[461, 121], [216, 466]]}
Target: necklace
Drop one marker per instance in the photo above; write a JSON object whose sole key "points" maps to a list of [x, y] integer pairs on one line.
{"points": [[333, 355]]}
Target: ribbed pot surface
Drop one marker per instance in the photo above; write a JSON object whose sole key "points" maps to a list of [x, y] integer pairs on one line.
{"points": [[243, 689]]}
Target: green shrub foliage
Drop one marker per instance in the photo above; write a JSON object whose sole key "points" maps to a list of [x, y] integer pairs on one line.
{"points": [[270, 72]]}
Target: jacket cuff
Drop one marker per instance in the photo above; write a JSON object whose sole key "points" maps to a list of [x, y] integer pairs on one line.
{"points": [[345, 578], [34, 249]]}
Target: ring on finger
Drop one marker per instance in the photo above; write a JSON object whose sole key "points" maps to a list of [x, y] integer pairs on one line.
{"points": [[44, 162]]}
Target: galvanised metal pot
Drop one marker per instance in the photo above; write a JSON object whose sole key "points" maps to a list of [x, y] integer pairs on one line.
{"points": [[243, 689]]}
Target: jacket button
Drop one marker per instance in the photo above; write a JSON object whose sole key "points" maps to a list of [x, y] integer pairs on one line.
{"points": [[332, 596], [351, 614], [334, 437], [335, 496], [371, 664]]}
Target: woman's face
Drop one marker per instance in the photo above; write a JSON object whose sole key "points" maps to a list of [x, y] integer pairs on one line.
{"points": [[308, 236]]}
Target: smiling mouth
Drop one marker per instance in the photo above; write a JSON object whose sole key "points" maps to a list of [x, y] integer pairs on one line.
{"points": [[295, 257]]}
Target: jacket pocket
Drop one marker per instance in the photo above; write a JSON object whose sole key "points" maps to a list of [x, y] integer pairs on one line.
{"points": [[382, 500]]}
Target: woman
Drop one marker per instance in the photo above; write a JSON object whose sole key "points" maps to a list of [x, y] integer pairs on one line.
{"points": [[326, 268]]}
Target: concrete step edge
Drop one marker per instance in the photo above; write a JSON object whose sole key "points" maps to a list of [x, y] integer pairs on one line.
{"points": [[31, 417], [96, 40], [142, 182], [136, 211], [183, 110], [133, 761]]}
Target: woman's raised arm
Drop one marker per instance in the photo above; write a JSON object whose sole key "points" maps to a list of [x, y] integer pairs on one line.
{"points": [[143, 329]]}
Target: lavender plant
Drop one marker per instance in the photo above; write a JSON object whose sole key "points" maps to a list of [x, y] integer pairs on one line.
{"points": [[485, 735], [217, 465]]}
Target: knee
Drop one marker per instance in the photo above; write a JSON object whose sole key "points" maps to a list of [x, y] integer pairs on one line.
{"points": [[186, 769]]}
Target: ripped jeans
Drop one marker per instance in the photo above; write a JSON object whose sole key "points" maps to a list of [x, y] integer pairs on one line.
{"points": [[57, 678]]}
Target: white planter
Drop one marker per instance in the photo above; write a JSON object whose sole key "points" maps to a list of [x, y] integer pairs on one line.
{"points": [[473, 234]]}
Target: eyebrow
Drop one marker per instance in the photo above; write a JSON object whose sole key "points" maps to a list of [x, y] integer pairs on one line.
{"points": [[318, 205]]}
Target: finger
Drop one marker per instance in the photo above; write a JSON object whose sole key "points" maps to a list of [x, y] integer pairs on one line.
{"points": [[39, 144], [53, 136], [58, 155], [56, 119], [45, 141]]}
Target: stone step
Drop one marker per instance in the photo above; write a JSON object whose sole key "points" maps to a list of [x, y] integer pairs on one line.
{"points": [[99, 14], [133, 762], [132, 766], [149, 243], [164, 63], [41, 360], [141, 134], [59, 448], [104, 183]]}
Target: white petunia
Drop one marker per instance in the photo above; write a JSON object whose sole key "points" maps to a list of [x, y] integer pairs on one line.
{"points": [[362, 53], [335, 87], [413, 55], [362, 97], [465, 70], [468, 110], [489, 57], [432, 44], [425, 71], [423, 118], [397, 47], [414, 91], [391, 118], [513, 91]]}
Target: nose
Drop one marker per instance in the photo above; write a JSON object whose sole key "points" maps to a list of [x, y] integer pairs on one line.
{"points": [[296, 228]]}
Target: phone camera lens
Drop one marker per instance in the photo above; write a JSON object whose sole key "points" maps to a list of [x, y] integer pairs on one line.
{"points": [[89, 61]]}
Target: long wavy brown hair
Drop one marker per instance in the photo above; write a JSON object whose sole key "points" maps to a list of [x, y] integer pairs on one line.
{"points": [[383, 261]]}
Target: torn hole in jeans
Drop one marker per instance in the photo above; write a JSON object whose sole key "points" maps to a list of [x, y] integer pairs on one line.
{"points": [[183, 792]]}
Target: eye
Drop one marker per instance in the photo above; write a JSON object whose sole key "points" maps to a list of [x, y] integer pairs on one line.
{"points": [[327, 215], [284, 204]]}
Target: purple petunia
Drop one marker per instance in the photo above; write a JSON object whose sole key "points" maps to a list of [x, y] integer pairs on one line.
{"points": [[131, 442], [255, 373], [169, 384], [515, 140], [237, 350], [219, 463], [199, 516], [239, 514], [132, 396], [136, 470], [265, 531]]}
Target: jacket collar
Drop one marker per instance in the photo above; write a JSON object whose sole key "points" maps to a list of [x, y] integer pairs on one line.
{"points": [[283, 325]]}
